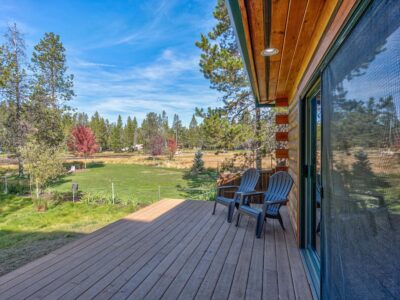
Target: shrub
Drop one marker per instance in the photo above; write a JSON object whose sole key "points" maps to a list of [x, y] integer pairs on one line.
{"points": [[17, 188], [97, 198], [172, 147]]}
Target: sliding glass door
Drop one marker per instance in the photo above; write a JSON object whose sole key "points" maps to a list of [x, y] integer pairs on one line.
{"points": [[361, 160], [311, 183]]}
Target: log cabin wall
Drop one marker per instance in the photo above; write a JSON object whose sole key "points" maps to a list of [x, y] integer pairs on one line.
{"points": [[293, 163]]}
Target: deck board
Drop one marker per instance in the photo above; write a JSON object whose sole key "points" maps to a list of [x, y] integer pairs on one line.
{"points": [[169, 250]]}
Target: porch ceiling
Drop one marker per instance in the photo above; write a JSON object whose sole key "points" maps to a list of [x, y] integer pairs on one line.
{"points": [[293, 27]]}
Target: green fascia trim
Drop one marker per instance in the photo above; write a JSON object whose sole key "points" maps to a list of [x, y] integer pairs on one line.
{"points": [[258, 104], [236, 18]]}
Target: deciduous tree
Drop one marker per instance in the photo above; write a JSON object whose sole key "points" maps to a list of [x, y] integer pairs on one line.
{"points": [[156, 145], [43, 164], [172, 147], [83, 142]]}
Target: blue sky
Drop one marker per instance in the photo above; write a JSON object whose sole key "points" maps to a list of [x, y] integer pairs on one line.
{"points": [[129, 57]]}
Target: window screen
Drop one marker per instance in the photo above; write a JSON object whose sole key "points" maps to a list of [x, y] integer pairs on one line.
{"points": [[361, 160]]}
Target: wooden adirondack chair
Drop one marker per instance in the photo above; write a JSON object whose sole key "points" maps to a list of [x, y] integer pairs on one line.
{"points": [[279, 187], [247, 184]]}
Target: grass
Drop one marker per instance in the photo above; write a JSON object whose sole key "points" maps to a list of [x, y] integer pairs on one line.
{"points": [[26, 234], [182, 160], [137, 183]]}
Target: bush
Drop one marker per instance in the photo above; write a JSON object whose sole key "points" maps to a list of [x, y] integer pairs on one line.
{"points": [[18, 187], [97, 198], [40, 204]]}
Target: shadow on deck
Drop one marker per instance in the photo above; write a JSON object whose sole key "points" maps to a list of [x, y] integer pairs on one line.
{"points": [[173, 249]]}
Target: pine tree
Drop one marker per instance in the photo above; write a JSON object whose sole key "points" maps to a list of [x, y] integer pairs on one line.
{"points": [[14, 92], [136, 132], [150, 128], [99, 128], [220, 63], [198, 163], [51, 88], [193, 133], [129, 133], [116, 142]]}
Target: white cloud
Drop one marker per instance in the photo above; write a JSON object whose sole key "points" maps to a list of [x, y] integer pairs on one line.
{"points": [[171, 82]]}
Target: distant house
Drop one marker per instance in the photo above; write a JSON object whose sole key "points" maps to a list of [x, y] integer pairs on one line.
{"points": [[138, 147]]}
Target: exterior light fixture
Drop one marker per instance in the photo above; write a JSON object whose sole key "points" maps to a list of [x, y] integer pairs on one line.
{"points": [[269, 52]]}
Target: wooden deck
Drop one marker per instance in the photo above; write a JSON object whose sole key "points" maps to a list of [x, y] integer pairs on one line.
{"points": [[173, 249]]}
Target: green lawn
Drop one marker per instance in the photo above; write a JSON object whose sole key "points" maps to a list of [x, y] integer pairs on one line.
{"points": [[138, 183], [26, 234]]}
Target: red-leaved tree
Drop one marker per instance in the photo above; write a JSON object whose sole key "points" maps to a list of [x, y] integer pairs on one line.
{"points": [[82, 141], [156, 145], [172, 147]]}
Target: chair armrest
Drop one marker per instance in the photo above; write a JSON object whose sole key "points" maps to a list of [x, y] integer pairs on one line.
{"points": [[282, 201], [246, 195], [227, 187], [253, 193]]}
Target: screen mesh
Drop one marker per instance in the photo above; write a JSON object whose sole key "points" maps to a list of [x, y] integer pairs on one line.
{"points": [[361, 160]]}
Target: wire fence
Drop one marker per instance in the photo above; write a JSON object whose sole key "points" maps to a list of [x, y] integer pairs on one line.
{"points": [[114, 193]]}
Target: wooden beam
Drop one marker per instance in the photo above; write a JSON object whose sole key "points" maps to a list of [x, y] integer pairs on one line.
{"points": [[281, 136], [281, 153], [245, 22], [281, 119], [281, 102]]}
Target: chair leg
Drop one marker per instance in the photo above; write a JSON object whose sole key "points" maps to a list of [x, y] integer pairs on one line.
{"points": [[259, 226], [238, 219], [215, 205], [231, 208], [281, 221]]}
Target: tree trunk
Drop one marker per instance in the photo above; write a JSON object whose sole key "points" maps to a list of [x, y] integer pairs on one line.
{"points": [[37, 189], [258, 140], [20, 167]]}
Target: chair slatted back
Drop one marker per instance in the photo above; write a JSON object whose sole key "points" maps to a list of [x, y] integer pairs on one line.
{"points": [[249, 180], [279, 187]]}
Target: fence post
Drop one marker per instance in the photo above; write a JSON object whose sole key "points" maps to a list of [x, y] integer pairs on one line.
{"points": [[112, 189], [5, 185]]}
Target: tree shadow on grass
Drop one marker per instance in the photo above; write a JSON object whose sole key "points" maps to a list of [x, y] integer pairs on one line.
{"points": [[10, 204], [21, 247], [199, 185], [95, 164]]}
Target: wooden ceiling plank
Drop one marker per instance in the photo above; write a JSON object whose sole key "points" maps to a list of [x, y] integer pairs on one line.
{"points": [[307, 30], [279, 10], [295, 16], [320, 42]]}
